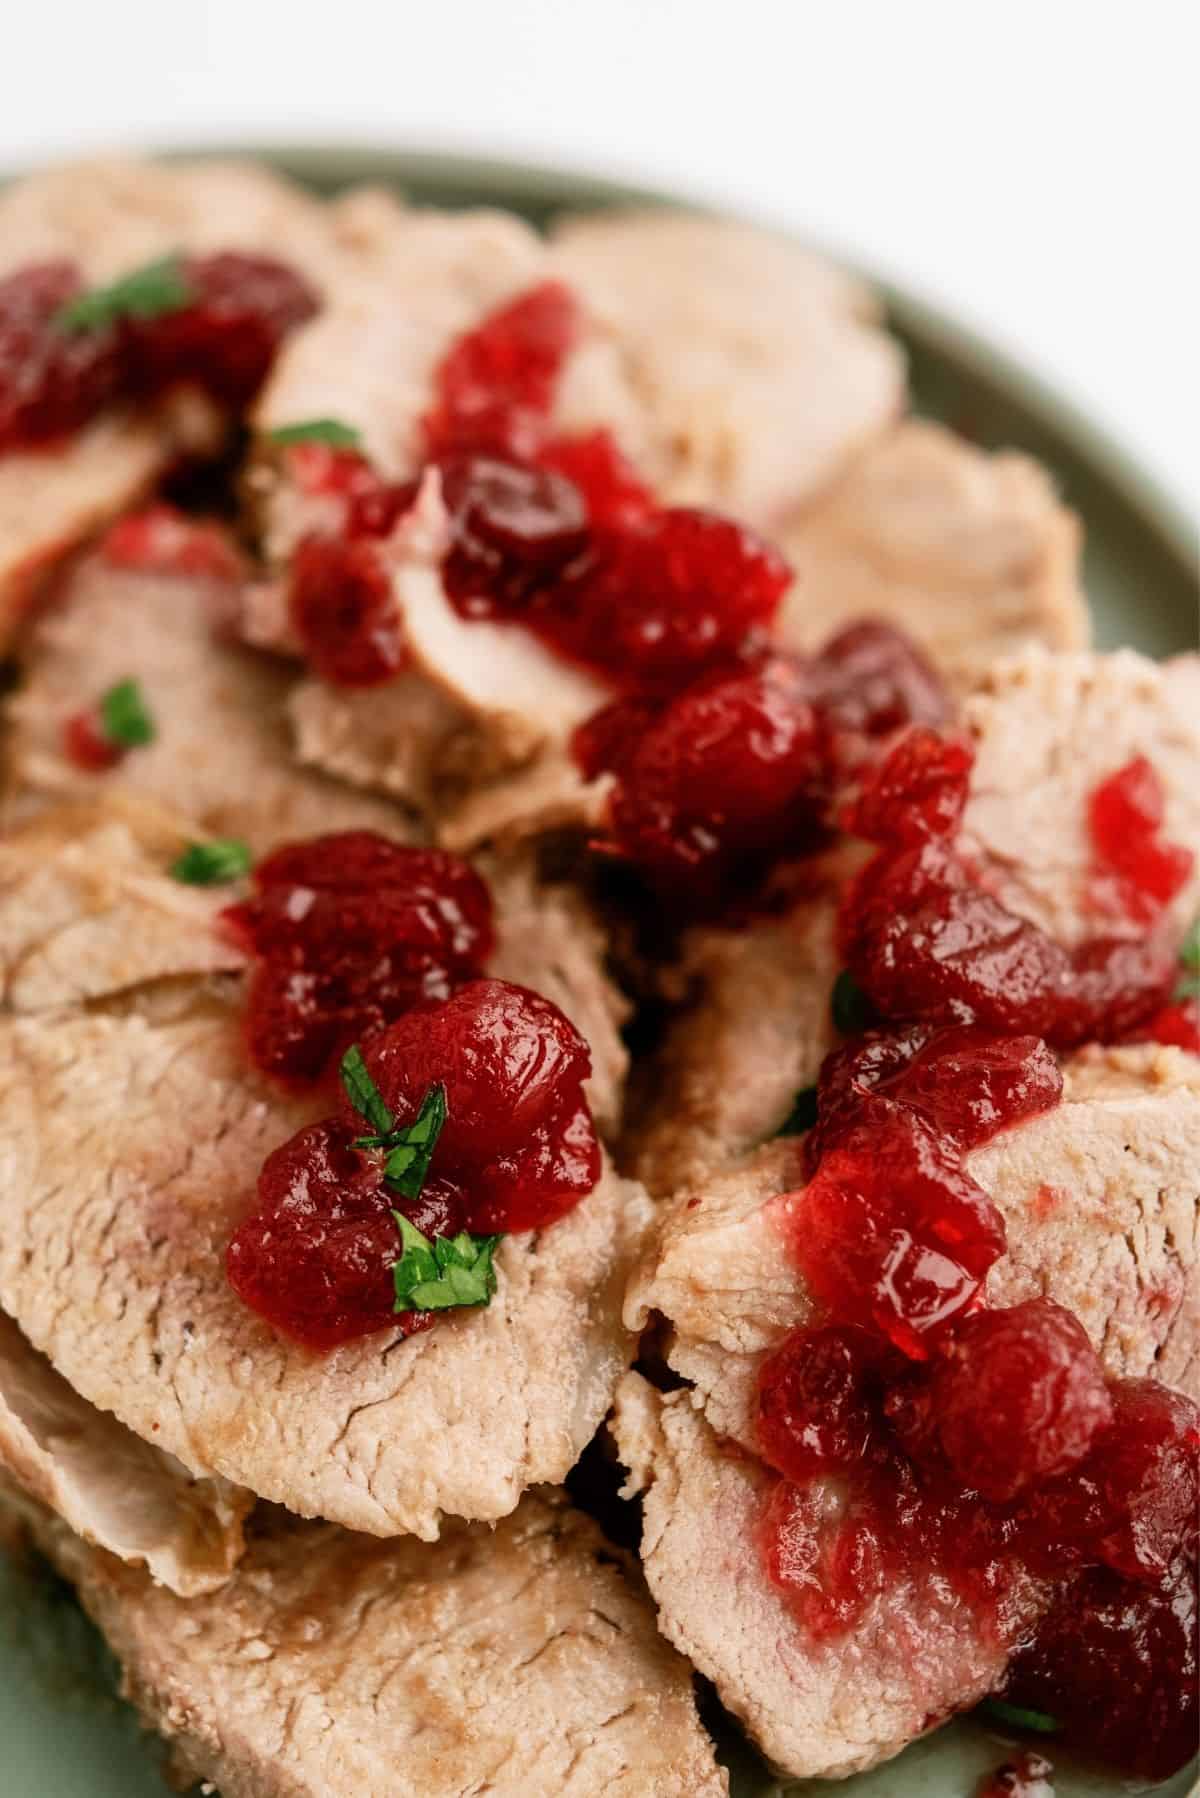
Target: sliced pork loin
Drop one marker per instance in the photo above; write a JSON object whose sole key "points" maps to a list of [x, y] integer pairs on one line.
{"points": [[111, 217], [970, 553], [88, 907], [1101, 1198], [517, 1660], [120, 1282], [814, 1710], [754, 368], [112, 1489], [1046, 731], [220, 756]]}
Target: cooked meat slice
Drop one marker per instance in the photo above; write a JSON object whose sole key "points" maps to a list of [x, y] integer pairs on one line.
{"points": [[110, 217], [822, 1710], [513, 1661], [1046, 730], [1101, 1198], [120, 1282], [88, 908], [755, 366], [751, 1033], [1102, 1202], [220, 757], [109, 1487], [971, 553], [476, 733], [548, 937]]}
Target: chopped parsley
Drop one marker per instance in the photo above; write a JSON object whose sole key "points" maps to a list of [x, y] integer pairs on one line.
{"points": [[318, 430], [439, 1273], [851, 1008], [436, 1273], [124, 717], [1189, 953], [803, 1114], [151, 291], [362, 1091], [212, 864], [1018, 1717]]}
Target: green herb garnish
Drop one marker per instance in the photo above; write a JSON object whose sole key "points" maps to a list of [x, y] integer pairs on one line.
{"points": [[151, 291], [1017, 1717], [852, 1011], [1189, 953], [442, 1272], [124, 717], [212, 864], [318, 430], [410, 1149], [803, 1114], [362, 1091]]}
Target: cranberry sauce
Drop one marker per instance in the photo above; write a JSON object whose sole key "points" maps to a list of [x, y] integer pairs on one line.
{"points": [[517, 1150], [1137, 870], [218, 327], [163, 540], [349, 931], [926, 941]]}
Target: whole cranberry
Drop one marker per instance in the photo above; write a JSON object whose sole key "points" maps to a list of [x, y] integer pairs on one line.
{"points": [[513, 529], [818, 1400], [227, 335], [871, 678], [52, 380], [345, 613]]}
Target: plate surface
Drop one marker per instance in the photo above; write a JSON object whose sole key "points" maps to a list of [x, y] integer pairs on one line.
{"points": [[65, 1733]]}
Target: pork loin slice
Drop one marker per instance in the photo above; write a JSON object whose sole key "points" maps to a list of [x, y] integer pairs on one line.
{"points": [[970, 553], [752, 1029], [1046, 730], [823, 1710], [221, 755], [1101, 1199], [110, 217], [755, 368], [475, 734], [111, 1261], [88, 908], [511, 1661], [110, 1487]]}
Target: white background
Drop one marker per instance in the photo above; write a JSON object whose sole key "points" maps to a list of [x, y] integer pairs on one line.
{"points": [[1032, 167]]}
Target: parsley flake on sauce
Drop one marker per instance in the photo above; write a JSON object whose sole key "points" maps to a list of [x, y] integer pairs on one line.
{"points": [[124, 716], [212, 864], [318, 430], [151, 291]]}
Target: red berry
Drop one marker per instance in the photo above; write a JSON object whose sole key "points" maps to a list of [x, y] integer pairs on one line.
{"points": [[345, 613], [52, 380], [817, 1400], [495, 385], [1016, 1397], [226, 337], [86, 744], [1178, 1023], [614, 496], [1125, 815], [917, 794], [871, 679], [513, 529], [731, 773]]}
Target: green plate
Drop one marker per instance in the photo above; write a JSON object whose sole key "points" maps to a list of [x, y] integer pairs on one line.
{"points": [[65, 1732]]}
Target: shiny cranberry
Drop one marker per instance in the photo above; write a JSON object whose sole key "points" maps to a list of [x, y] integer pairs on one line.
{"points": [[226, 337], [871, 679], [513, 1068], [614, 496], [1116, 1664], [605, 742], [893, 1234], [1016, 1397], [162, 540], [351, 931], [966, 1083], [1125, 815], [52, 380], [345, 613], [1133, 1503], [513, 529], [315, 1260], [86, 744], [818, 1400], [730, 774], [917, 794], [659, 603], [495, 385]]}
